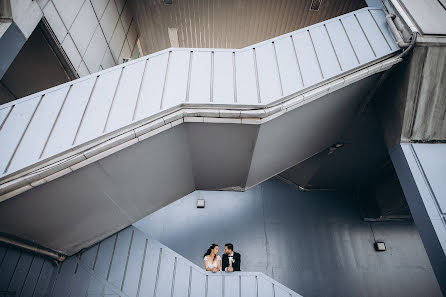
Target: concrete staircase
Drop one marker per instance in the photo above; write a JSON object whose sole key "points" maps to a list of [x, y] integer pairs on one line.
{"points": [[127, 264], [90, 157], [131, 264]]}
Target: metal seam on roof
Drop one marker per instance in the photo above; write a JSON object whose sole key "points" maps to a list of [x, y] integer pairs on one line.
{"points": [[173, 98], [308, 94], [18, 185], [184, 49]]}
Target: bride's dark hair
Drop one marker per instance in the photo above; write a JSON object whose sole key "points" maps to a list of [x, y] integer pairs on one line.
{"points": [[208, 252]]}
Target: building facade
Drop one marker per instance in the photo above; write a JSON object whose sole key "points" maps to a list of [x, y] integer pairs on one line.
{"points": [[313, 130]]}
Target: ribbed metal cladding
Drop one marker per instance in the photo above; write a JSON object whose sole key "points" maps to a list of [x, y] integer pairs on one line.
{"points": [[37, 128], [127, 264], [228, 23]]}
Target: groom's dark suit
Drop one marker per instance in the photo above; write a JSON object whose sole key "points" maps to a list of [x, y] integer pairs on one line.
{"points": [[235, 263]]}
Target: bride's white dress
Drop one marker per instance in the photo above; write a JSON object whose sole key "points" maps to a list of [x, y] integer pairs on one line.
{"points": [[210, 263]]}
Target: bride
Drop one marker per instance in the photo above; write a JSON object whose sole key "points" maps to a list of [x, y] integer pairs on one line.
{"points": [[212, 260]]}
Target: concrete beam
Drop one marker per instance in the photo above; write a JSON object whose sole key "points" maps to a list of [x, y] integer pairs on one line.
{"points": [[11, 42], [421, 169]]}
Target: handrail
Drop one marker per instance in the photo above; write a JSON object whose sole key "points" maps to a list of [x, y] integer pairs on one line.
{"points": [[274, 282], [396, 5], [395, 32]]}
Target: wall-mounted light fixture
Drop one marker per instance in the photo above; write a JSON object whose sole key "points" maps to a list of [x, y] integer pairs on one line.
{"points": [[200, 203], [168, 2], [338, 145], [334, 147], [379, 246]]}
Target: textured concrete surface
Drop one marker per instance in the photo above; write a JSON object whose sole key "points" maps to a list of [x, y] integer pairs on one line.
{"points": [[313, 242], [411, 103], [425, 108]]}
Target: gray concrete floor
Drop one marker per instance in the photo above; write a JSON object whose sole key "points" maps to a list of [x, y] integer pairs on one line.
{"points": [[313, 242]]}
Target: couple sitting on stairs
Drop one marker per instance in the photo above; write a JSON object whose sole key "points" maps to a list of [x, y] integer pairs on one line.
{"points": [[213, 262]]}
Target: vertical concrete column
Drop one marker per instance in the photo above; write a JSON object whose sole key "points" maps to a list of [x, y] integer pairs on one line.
{"points": [[421, 169], [11, 38]]}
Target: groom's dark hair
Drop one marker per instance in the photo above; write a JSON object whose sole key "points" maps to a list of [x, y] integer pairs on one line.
{"points": [[229, 246]]}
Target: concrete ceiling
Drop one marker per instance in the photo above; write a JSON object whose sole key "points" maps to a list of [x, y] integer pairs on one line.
{"points": [[362, 155], [361, 165]]}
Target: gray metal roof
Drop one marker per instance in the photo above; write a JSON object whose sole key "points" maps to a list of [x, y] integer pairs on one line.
{"points": [[112, 148], [39, 127]]}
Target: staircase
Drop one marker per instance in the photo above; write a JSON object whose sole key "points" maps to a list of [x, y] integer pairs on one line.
{"points": [[90, 157], [128, 264]]}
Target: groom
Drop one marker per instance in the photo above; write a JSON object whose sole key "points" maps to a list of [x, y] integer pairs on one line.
{"points": [[231, 259]]}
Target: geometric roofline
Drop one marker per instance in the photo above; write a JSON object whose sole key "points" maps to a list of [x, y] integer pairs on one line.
{"points": [[42, 139]]}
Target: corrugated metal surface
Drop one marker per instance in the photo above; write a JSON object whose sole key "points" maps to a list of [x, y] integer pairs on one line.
{"points": [[228, 23], [45, 124], [24, 274], [127, 264]]}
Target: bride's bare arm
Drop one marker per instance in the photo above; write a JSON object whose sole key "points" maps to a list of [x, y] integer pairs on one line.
{"points": [[219, 265]]}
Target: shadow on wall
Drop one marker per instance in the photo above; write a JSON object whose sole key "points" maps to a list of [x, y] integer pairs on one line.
{"points": [[313, 242], [35, 68]]}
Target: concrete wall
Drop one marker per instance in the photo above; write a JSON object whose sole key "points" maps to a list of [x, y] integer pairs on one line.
{"points": [[39, 55], [26, 14], [114, 201], [425, 111], [313, 242], [11, 41], [411, 103], [390, 103], [421, 169]]}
